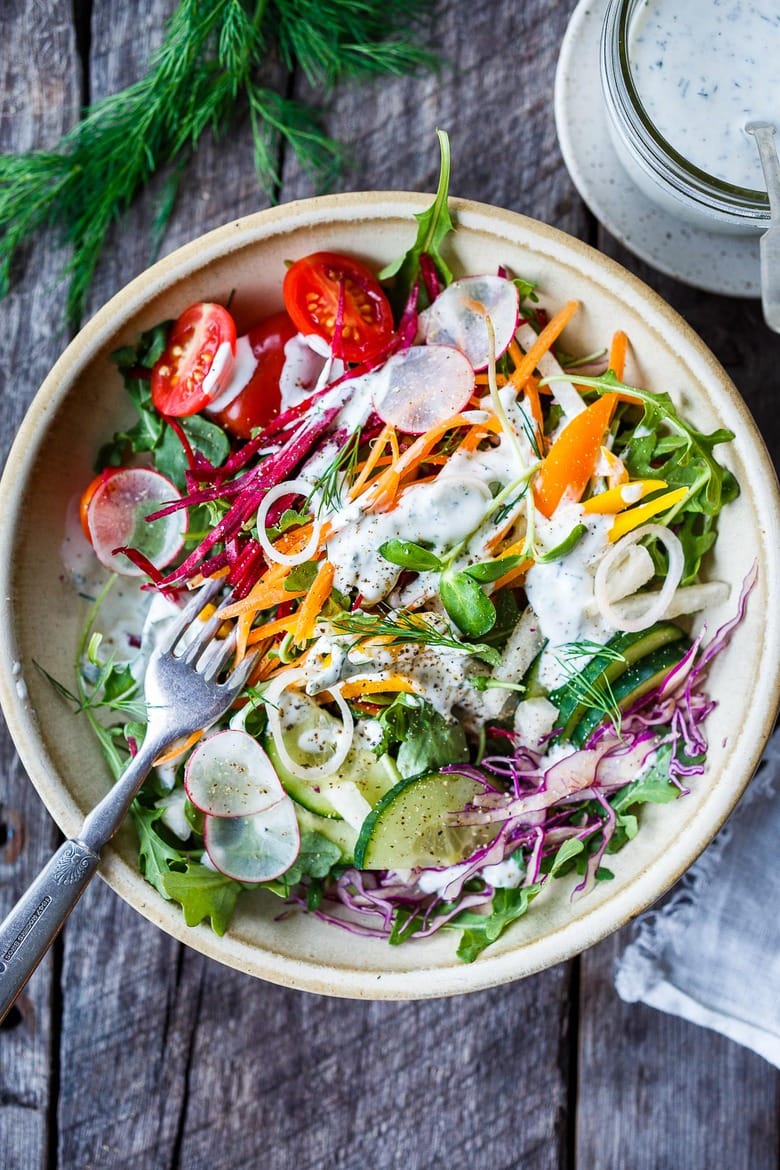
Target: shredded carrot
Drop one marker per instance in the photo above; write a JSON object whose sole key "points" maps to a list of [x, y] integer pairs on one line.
{"points": [[546, 339], [385, 436], [636, 516], [617, 353], [313, 602], [243, 626], [271, 629], [513, 576], [178, 749], [265, 595], [385, 488]]}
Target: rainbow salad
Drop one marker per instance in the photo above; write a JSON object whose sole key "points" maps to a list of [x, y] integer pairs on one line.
{"points": [[463, 562]]}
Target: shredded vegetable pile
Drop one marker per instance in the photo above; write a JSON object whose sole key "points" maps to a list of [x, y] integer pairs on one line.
{"points": [[458, 556]]}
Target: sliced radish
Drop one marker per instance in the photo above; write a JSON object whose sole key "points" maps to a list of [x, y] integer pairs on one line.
{"points": [[457, 317], [422, 386], [116, 518], [257, 848], [229, 775]]}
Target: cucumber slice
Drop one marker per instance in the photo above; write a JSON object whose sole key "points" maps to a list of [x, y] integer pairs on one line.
{"points": [[641, 678], [339, 832], [533, 688], [408, 828], [305, 721], [632, 647]]}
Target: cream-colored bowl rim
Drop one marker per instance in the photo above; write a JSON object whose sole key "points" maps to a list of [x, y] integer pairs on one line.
{"points": [[310, 974]]}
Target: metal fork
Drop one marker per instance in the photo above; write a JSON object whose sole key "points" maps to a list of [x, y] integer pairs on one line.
{"points": [[183, 693]]}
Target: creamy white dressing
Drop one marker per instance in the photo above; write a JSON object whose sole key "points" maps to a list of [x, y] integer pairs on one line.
{"points": [[704, 69], [305, 358], [506, 875], [439, 515], [560, 592], [220, 371], [244, 366]]}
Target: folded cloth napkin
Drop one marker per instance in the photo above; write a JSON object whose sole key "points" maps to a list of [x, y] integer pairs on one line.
{"points": [[711, 953]]}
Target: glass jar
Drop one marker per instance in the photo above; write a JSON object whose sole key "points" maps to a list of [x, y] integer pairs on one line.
{"points": [[662, 173]]}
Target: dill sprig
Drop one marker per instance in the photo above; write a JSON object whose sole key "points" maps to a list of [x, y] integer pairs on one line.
{"points": [[208, 68], [337, 477], [415, 628], [593, 695]]}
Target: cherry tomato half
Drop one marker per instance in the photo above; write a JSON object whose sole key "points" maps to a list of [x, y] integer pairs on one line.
{"points": [[311, 297], [260, 399], [187, 377]]}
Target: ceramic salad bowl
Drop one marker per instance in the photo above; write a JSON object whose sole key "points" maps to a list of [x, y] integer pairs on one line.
{"points": [[82, 403]]}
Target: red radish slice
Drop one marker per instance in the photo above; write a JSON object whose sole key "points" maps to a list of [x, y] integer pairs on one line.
{"points": [[116, 518], [422, 386], [229, 775], [257, 848], [457, 317]]}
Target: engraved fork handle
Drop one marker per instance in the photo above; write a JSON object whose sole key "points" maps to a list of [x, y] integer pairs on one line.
{"points": [[39, 915]]}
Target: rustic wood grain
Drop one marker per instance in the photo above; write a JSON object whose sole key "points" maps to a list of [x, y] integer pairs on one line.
{"points": [[167, 1061], [128, 1017], [658, 1093], [38, 99]]}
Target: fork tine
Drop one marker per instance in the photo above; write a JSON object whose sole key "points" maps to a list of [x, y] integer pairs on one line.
{"points": [[216, 655], [238, 679], [202, 636], [188, 615]]}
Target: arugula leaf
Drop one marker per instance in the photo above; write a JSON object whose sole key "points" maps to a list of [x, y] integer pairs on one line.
{"points": [[480, 930], [434, 225], [316, 858], [202, 893], [147, 350], [653, 787], [567, 852], [204, 436], [427, 740], [155, 856]]}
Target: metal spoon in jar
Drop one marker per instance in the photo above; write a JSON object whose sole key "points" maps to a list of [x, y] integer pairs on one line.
{"points": [[764, 134]]}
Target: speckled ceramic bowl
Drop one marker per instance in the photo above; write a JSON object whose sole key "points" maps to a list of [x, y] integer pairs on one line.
{"points": [[82, 402]]}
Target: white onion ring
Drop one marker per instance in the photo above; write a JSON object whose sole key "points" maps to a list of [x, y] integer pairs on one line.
{"points": [[346, 735], [290, 487], [661, 600]]}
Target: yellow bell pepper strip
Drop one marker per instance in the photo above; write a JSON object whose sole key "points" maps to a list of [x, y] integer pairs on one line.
{"points": [[617, 498], [570, 461], [636, 516], [358, 688]]}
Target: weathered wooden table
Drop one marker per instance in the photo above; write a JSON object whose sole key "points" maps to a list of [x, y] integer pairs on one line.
{"points": [[131, 1051]]}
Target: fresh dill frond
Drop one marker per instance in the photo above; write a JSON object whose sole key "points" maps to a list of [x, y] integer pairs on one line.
{"points": [[409, 628], [594, 695], [209, 66], [337, 477]]}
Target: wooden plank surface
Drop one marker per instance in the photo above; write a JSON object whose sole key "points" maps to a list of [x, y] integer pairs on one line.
{"points": [[39, 81], [147, 1056]]}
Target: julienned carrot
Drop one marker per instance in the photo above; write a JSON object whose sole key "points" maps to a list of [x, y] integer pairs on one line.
{"points": [[385, 488], [385, 436], [513, 576], [571, 459], [636, 516], [178, 749], [545, 340], [617, 353], [313, 602], [271, 629]]}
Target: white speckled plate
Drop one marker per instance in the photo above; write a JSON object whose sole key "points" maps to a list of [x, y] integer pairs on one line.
{"points": [[712, 261], [83, 401]]}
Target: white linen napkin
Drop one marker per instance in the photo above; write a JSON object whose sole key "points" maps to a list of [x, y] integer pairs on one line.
{"points": [[711, 952]]}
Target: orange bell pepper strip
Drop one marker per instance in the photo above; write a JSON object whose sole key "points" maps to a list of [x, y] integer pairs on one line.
{"points": [[571, 459]]}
